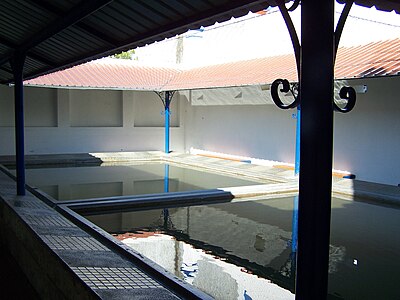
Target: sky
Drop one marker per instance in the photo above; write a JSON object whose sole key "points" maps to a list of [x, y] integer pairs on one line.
{"points": [[256, 35]]}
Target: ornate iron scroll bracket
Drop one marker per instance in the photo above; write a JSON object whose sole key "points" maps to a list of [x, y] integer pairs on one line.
{"points": [[292, 30], [341, 23], [287, 87], [349, 94], [165, 97], [346, 93]]}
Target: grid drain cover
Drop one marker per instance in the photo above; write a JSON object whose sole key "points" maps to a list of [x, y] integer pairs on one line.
{"points": [[115, 278], [48, 221], [29, 204], [57, 242], [8, 189]]}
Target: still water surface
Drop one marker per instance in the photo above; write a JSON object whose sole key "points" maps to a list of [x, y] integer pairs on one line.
{"points": [[243, 249], [107, 181]]}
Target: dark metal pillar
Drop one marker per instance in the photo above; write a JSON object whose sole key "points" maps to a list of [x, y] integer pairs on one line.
{"points": [[297, 157], [17, 63], [316, 94]]}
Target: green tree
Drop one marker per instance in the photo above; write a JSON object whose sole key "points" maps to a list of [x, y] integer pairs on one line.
{"points": [[125, 55]]}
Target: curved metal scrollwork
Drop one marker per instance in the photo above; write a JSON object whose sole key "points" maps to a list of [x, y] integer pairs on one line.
{"points": [[294, 5], [286, 86], [293, 88], [349, 94]]}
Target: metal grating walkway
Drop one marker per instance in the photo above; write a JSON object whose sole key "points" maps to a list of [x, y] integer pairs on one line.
{"points": [[115, 278], [73, 243]]}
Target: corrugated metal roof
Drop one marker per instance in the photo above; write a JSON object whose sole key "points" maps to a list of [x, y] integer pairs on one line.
{"points": [[57, 33], [374, 59], [386, 5]]}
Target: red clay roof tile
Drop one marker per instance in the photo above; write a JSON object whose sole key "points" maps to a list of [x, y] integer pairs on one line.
{"points": [[374, 59]]}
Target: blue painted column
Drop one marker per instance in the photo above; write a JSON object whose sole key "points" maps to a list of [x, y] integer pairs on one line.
{"points": [[167, 119], [18, 65], [296, 173], [295, 215], [166, 178]]}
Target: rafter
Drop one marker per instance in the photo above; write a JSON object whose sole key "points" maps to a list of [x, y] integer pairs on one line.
{"points": [[31, 54], [77, 13], [50, 7]]}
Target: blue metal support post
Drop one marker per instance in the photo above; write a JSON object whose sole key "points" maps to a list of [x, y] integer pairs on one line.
{"points": [[316, 134], [295, 215], [166, 190], [167, 119], [17, 63], [296, 173]]}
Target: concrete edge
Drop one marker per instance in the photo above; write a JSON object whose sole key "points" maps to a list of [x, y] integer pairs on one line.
{"points": [[48, 273]]}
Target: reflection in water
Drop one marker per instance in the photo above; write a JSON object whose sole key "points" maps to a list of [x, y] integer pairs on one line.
{"points": [[123, 180], [166, 178], [295, 222], [251, 243], [221, 264], [166, 190], [213, 275]]}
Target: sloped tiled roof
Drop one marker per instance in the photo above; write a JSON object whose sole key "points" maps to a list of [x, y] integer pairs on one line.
{"points": [[249, 72], [111, 74], [374, 59]]}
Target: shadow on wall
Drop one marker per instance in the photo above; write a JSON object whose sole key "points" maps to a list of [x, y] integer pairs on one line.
{"points": [[375, 72]]}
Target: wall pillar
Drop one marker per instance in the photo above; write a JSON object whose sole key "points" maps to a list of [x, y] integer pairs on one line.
{"points": [[63, 96], [127, 109]]}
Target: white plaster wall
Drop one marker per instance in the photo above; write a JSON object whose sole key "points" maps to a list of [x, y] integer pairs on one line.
{"points": [[149, 111], [366, 140], [96, 108], [81, 121], [40, 107], [260, 131]]}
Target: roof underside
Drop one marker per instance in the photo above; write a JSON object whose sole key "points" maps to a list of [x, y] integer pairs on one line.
{"points": [[57, 34], [385, 5]]}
